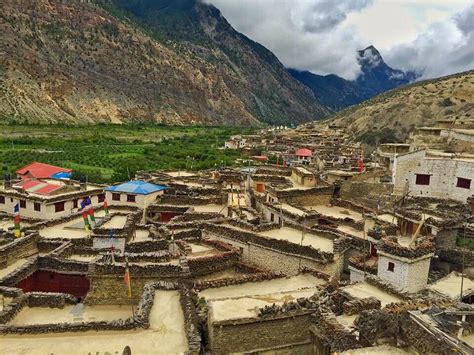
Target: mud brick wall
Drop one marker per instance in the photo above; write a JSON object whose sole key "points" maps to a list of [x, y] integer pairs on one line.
{"points": [[19, 248], [262, 333], [358, 305]]}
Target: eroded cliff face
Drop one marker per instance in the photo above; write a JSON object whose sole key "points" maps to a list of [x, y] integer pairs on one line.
{"points": [[76, 62]]}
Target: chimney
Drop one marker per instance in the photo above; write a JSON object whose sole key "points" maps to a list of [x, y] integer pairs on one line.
{"points": [[83, 183], [7, 181]]}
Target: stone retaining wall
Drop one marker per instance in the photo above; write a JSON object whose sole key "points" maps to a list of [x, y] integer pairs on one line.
{"points": [[18, 248]]}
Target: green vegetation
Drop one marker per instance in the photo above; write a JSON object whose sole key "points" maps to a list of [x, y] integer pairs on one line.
{"points": [[109, 153]]}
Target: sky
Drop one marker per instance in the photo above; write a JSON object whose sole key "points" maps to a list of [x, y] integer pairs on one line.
{"points": [[432, 37]]}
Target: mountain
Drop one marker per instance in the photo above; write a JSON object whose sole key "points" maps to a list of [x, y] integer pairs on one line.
{"points": [[391, 116], [167, 61], [375, 77]]}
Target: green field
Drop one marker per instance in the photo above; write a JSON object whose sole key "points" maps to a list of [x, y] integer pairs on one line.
{"points": [[109, 153]]}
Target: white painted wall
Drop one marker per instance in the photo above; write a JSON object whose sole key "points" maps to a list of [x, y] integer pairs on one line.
{"points": [[408, 275], [47, 211], [444, 173]]}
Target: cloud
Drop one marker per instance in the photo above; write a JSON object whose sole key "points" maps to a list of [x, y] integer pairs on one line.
{"points": [[304, 34], [443, 48], [323, 36]]}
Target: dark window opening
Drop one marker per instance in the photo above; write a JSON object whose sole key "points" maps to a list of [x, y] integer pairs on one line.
{"points": [[116, 197], [101, 197], [59, 207], [22, 203], [37, 206], [391, 266], [422, 179], [75, 203], [463, 183], [272, 217], [130, 198], [2, 199]]}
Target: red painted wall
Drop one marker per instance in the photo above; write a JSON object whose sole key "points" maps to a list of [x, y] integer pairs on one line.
{"points": [[166, 216], [47, 281]]}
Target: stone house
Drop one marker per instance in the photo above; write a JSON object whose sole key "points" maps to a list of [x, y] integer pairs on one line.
{"points": [[429, 174]]}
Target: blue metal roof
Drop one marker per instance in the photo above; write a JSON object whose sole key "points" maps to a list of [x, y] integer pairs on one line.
{"points": [[61, 175], [137, 187]]}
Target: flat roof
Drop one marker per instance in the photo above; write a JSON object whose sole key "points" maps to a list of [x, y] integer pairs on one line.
{"points": [[363, 290], [451, 285], [166, 333], [294, 236]]}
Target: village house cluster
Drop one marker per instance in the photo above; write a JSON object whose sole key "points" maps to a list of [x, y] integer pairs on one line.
{"points": [[328, 249]]}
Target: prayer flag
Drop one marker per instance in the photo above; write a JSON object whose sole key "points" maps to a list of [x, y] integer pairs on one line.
{"points": [[87, 225], [16, 219], [360, 165], [106, 207]]}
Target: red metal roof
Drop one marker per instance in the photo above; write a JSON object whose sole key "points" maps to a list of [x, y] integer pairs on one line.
{"points": [[303, 152], [41, 170], [39, 187]]}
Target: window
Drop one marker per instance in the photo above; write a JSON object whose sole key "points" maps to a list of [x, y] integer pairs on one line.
{"points": [[2, 199], [37, 206], [101, 197], [116, 197], [59, 206], [391, 266], [130, 198], [75, 203], [422, 179], [22, 203], [272, 217], [463, 183]]}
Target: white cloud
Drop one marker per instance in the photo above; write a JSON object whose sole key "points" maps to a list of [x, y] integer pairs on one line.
{"points": [[323, 36]]}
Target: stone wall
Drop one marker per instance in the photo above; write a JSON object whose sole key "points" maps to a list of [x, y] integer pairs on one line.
{"points": [[263, 333], [18, 248], [358, 305]]}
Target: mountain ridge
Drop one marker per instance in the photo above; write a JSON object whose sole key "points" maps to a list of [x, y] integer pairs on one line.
{"points": [[375, 77], [392, 115], [82, 61]]}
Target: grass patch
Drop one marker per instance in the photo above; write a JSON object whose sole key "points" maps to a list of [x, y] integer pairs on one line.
{"points": [[108, 153]]}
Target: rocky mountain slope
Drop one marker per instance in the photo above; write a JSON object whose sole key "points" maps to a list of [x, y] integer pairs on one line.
{"points": [[375, 77], [169, 61], [392, 115]]}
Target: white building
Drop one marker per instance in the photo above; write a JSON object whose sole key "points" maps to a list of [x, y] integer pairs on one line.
{"points": [[434, 174], [134, 193]]}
